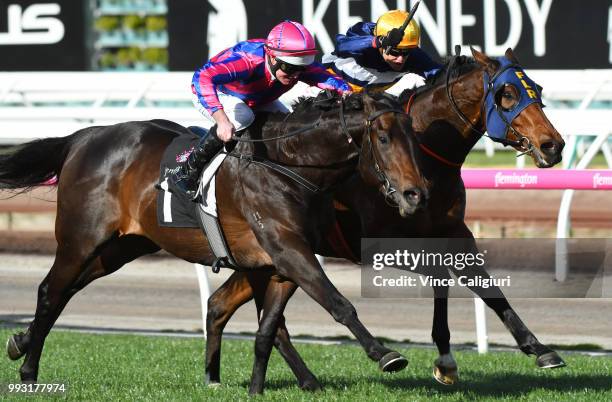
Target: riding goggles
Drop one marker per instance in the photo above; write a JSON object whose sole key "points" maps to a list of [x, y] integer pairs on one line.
{"points": [[399, 52], [290, 68], [499, 119]]}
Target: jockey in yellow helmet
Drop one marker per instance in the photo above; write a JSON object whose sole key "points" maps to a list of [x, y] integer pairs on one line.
{"points": [[377, 54]]}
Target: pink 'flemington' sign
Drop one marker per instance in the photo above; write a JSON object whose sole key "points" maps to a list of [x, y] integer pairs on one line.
{"points": [[537, 179]]}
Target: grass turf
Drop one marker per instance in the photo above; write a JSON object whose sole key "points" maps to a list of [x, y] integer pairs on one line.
{"points": [[126, 367]]}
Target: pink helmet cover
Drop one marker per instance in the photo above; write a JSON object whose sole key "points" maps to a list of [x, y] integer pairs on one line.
{"points": [[292, 42]]}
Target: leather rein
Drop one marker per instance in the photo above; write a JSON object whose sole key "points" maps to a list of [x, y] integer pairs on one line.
{"points": [[299, 179]]}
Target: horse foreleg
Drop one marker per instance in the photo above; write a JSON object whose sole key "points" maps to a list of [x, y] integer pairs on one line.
{"points": [[276, 297], [306, 379], [445, 367], [525, 339], [237, 290], [301, 266], [496, 300]]}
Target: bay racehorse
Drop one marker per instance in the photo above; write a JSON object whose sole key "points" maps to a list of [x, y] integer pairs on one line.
{"points": [[449, 117], [106, 208]]}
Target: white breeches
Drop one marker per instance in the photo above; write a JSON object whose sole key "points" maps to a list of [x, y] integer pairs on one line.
{"points": [[238, 112]]}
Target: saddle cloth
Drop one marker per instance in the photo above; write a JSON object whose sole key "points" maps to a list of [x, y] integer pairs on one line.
{"points": [[176, 211]]}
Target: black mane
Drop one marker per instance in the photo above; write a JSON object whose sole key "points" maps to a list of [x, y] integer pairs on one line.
{"points": [[462, 66], [327, 101], [330, 101]]}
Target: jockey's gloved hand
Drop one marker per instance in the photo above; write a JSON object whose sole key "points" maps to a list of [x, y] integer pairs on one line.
{"points": [[326, 98], [391, 39], [326, 94]]}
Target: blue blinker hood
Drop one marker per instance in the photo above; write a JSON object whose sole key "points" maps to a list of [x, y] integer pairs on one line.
{"points": [[498, 119]]}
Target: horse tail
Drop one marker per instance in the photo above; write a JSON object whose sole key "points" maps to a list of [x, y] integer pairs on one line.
{"points": [[31, 164]]}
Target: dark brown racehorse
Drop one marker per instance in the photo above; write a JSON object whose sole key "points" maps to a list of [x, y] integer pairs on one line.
{"points": [[106, 212], [445, 140]]}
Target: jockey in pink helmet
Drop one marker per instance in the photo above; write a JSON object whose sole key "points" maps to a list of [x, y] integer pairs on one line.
{"points": [[249, 76], [291, 43]]}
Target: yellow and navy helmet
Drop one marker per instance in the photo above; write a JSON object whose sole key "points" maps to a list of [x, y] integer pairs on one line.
{"points": [[395, 19]]}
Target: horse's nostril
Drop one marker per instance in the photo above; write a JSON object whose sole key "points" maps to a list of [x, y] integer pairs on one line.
{"points": [[550, 148], [413, 196]]}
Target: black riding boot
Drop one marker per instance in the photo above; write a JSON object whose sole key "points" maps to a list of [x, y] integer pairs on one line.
{"points": [[186, 179]]}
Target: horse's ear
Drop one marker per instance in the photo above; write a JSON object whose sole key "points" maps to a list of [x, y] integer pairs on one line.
{"points": [[510, 56], [480, 57], [489, 64], [369, 101]]}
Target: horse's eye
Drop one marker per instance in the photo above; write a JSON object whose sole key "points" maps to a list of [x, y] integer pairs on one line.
{"points": [[507, 97], [383, 139]]}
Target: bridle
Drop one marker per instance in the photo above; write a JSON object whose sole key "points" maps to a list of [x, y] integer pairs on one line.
{"points": [[523, 143], [383, 179], [388, 189]]}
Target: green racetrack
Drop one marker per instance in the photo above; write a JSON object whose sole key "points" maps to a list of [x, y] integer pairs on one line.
{"points": [[131, 367]]}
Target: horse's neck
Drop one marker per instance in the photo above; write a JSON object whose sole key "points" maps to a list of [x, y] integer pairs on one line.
{"points": [[440, 128], [321, 154]]}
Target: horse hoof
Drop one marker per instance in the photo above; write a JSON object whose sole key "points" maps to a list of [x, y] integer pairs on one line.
{"points": [[392, 362], [446, 375], [311, 386], [550, 360], [12, 349], [213, 384]]}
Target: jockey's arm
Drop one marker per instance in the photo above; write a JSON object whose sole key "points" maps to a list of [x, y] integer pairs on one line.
{"points": [[358, 38], [209, 77], [420, 63], [225, 128], [317, 75]]}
